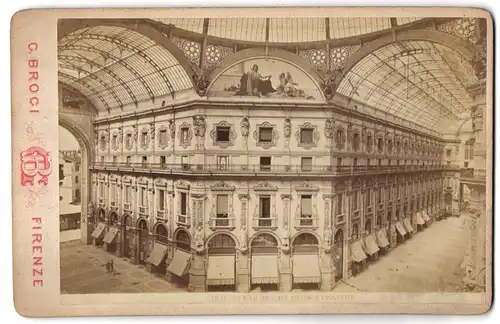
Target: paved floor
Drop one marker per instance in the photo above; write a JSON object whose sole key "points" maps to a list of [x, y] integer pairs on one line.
{"points": [[70, 235], [428, 262], [83, 271]]}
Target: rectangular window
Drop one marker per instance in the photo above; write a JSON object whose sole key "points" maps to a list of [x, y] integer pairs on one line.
{"points": [[368, 162], [339, 161], [448, 152], [102, 159], [265, 163], [144, 198], [163, 137], [183, 203], [144, 160], [306, 206], [355, 201], [306, 164], [355, 162], [368, 198], [144, 138], [389, 194], [222, 206], [128, 194], [77, 168], [101, 190], [128, 140], [265, 207], [161, 199], [379, 162], [222, 134], [163, 160], [76, 179], [115, 140], [379, 195], [185, 161], [115, 159], [129, 160], [265, 134], [113, 192], [340, 204], [222, 162], [185, 133], [306, 135]]}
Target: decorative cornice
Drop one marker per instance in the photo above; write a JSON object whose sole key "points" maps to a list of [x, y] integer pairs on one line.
{"points": [[306, 186], [265, 186], [180, 184], [222, 186]]}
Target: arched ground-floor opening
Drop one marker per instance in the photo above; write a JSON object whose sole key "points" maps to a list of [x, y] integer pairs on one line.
{"points": [[221, 265], [127, 236], [142, 241], [264, 273], [99, 227], [338, 254], [358, 256], [180, 263], [305, 262], [156, 259], [369, 242]]}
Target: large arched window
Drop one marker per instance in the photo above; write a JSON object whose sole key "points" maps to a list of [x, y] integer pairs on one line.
{"points": [[469, 149], [161, 234]]}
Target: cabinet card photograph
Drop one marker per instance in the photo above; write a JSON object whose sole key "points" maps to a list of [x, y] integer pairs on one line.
{"points": [[252, 161]]}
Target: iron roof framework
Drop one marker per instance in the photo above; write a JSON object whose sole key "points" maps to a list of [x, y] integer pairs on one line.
{"points": [[114, 66], [419, 81]]}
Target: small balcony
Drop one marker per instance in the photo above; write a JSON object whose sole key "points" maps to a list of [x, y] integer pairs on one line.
{"points": [[143, 210], [355, 214], [184, 220], [161, 214], [127, 206], [221, 223], [339, 219], [101, 202], [112, 203], [264, 222], [306, 221]]}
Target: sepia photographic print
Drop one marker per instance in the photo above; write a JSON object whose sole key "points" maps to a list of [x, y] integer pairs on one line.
{"points": [[317, 160]]}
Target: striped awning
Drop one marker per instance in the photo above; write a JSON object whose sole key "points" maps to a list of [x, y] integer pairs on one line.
{"points": [[306, 268], [110, 235], [220, 270], [407, 225], [357, 253], [400, 228], [265, 269], [180, 263], [425, 216], [382, 239], [369, 245], [419, 219], [97, 233], [157, 254]]}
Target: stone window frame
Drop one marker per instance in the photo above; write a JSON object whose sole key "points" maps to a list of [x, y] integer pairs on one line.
{"points": [[232, 134], [340, 145], [266, 189], [187, 126], [315, 136], [161, 184], [114, 140], [182, 187], [389, 148], [307, 189], [223, 188], [274, 139], [356, 131], [368, 144], [129, 145], [144, 138], [102, 142], [163, 145]]}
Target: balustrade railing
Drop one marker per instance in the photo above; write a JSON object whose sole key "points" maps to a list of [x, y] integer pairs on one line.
{"points": [[264, 222], [221, 222], [306, 222], [258, 168]]}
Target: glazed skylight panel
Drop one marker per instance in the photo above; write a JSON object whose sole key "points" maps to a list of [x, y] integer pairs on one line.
{"points": [[191, 24], [347, 27], [407, 20], [296, 30], [246, 29]]}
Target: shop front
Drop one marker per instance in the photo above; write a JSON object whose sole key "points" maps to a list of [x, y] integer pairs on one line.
{"points": [[142, 241], [369, 245], [264, 275], [338, 254], [419, 221], [305, 262], [156, 260], [408, 226], [221, 267], [111, 241], [127, 236], [100, 228], [181, 261], [401, 232]]}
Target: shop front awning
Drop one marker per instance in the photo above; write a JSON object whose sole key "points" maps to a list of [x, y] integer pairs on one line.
{"points": [[157, 254], [382, 241], [99, 230], [180, 263], [425, 216], [357, 253], [419, 219], [400, 229], [110, 235], [407, 225], [306, 268], [220, 270], [265, 269], [369, 246]]}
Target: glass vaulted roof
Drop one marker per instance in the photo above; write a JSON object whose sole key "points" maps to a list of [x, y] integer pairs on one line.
{"points": [[285, 30], [417, 80], [114, 66]]}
